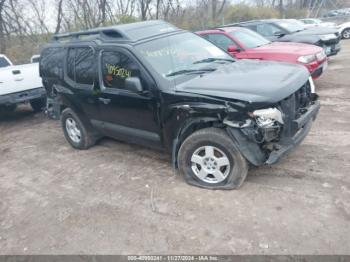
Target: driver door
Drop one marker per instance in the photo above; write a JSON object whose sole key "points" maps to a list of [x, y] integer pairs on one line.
{"points": [[126, 114]]}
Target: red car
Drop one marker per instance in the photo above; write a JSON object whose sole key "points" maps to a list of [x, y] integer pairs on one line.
{"points": [[243, 43]]}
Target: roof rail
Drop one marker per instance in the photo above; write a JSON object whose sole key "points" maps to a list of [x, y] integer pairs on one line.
{"points": [[102, 32]]}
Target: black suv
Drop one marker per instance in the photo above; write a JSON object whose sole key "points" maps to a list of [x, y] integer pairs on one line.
{"points": [[291, 30], [153, 84]]}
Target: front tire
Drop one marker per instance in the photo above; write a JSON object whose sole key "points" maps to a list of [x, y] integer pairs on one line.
{"points": [[209, 158], [75, 132], [346, 33]]}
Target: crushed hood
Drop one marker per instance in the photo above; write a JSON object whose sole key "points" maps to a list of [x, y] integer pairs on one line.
{"points": [[249, 80]]}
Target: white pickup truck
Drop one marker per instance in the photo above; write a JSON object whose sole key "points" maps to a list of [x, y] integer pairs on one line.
{"points": [[19, 84]]}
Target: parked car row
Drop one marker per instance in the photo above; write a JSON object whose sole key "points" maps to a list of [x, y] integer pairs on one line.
{"points": [[154, 84], [338, 12], [288, 30], [243, 43], [314, 22]]}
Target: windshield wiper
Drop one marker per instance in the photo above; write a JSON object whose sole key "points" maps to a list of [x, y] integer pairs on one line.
{"points": [[189, 71], [212, 59]]}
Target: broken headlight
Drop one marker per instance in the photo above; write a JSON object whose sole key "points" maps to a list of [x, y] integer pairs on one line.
{"points": [[268, 124], [267, 117]]}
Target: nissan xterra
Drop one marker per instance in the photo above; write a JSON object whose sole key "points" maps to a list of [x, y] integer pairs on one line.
{"points": [[153, 84]]}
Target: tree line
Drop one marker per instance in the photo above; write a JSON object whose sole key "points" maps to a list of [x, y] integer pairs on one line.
{"points": [[26, 24]]}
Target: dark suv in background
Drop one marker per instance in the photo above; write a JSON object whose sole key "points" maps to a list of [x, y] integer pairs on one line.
{"points": [[289, 30], [153, 84]]}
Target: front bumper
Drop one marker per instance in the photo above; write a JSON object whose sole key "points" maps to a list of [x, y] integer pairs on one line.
{"points": [[332, 49], [257, 156], [303, 125], [24, 96]]}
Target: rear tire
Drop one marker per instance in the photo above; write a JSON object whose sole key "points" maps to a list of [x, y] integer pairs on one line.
{"points": [[346, 33], [38, 104], [76, 133], [209, 158]]}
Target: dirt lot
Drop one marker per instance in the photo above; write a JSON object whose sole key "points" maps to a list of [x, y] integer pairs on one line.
{"points": [[119, 199]]}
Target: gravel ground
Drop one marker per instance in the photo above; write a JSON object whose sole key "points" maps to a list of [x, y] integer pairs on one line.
{"points": [[118, 198]]}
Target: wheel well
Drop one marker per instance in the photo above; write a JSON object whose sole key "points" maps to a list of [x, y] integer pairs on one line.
{"points": [[347, 28], [193, 126], [63, 107]]}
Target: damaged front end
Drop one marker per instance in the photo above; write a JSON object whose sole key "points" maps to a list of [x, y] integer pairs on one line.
{"points": [[268, 134]]}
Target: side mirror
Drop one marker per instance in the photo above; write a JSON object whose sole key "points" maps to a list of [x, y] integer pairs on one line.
{"points": [[133, 84], [233, 49], [279, 34]]}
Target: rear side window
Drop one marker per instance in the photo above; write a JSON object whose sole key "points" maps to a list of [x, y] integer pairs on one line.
{"points": [[70, 64], [81, 65], [51, 64], [3, 62]]}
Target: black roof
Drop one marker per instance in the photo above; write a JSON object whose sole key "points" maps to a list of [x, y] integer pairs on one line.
{"points": [[126, 32]]}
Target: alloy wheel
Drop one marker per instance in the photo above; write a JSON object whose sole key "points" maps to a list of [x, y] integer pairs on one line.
{"points": [[346, 34], [73, 130], [210, 164]]}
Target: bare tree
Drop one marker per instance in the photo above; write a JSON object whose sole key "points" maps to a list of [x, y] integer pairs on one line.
{"points": [[59, 16], [2, 27], [144, 6], [217, 6]]}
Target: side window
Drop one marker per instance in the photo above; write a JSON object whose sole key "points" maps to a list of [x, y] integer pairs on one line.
{"points": [[267, 29], [70, 64], [220, 40], [51, 63], [81, 65], [3, 62], [116, 67], [252, 27], [85, 65]]}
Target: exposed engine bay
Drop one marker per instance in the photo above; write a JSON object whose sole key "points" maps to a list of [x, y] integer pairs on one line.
{"points": [[275, 127]]}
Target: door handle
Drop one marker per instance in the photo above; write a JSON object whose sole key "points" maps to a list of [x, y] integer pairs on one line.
{"points": [[104, 100]]}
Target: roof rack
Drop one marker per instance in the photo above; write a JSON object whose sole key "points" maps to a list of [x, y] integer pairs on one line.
{"points": [[124, 32], [103, 32]]}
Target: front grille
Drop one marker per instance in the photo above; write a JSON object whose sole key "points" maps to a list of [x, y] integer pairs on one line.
{"points": [[332, 41], [293, 107]]}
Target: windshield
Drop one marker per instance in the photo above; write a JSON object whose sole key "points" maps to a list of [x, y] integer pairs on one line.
{"points": [[181, 53], [291, 26], [249, 38]]}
